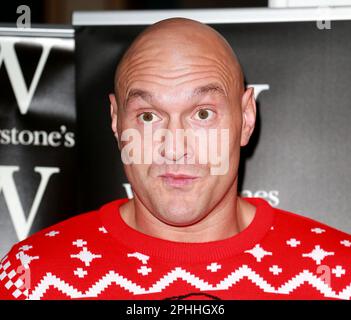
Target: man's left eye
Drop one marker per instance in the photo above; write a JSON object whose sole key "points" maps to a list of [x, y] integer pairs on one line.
{"points": [[204, 114]]}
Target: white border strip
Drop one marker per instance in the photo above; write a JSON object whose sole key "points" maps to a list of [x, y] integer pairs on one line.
{"points": [[211, 16], [37, 32], [308, 3]]}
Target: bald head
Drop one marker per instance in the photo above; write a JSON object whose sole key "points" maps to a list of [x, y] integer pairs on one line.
{"points": [[171, 46]]}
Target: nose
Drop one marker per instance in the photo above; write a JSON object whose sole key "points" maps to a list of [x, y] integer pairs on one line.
{"points": [[175, 146]]}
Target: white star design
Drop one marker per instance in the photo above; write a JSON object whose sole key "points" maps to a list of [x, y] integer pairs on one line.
{"points": [[293, 242], [80, 272], [144, 270], [25, 248], [338, 271], [103, 230], [275, 269], [52, 233], [25, 259], [141, 257], [318, 254], [258, 252], [346, 243], [214, 267], [318, 230], [79, 243], [86, 256]]}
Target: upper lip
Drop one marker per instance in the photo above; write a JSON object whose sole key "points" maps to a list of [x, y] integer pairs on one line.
{"points": [[177, 176]]}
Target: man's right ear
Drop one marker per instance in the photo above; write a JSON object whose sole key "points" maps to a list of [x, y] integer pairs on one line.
{"points": [[114, 113]]}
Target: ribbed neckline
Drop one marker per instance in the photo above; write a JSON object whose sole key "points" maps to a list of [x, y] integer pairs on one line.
{"points": [[187, 252]]}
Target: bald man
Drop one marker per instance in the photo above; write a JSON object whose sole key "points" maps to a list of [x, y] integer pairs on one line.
{"points": [[180, 114]]}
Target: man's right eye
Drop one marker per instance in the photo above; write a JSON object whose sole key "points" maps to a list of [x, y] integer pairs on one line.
{"points": [[148, 117]]}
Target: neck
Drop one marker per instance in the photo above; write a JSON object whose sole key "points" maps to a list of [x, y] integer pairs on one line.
{"points": [[231, 215]]}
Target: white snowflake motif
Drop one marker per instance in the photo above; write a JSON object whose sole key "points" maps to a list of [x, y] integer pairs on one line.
{"points": [[103, 230], [141, 257], [275, 269], [338, 271], [346, 243], [79, 243], [86, 256], [258, 252], [293, 242], [25, 259], [214, 267], [25, 248], [52, 233], [317, 230], [318, 254], [80, 272], [144, 270]]}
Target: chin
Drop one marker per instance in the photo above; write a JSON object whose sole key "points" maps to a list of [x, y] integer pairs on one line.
{"points": [[179, 217]]}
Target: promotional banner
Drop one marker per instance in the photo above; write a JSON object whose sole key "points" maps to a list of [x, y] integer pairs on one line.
{"points": [[298, 156], [37, 133]]}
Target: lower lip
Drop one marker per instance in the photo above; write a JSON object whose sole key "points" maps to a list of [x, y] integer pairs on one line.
{"points": [[178, 182]]}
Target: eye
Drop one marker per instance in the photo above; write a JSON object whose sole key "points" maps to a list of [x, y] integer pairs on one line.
{"points": [[204, 114], [148, 117]]}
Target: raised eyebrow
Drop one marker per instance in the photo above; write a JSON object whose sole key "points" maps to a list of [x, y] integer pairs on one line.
{"points": [[138, 93], [209, 88]]}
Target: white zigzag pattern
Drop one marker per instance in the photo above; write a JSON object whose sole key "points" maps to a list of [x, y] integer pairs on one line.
{"points": [[178, 273]]}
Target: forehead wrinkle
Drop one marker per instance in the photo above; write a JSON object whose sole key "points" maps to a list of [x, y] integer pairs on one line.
{"points": [[139, 67], [150, 72], [230, 70], [154, 70], [216, 83], [203, 90], [156, 63], [138, 61], [192, 75]]}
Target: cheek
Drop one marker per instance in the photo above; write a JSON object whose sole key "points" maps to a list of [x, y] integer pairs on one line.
{"points": [[136, 174]]}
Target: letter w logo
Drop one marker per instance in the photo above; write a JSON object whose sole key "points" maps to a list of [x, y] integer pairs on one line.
{"points": [[8, 56], [8, 187]]}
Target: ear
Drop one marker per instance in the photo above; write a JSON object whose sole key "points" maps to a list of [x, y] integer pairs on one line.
{"points": [[114, 114], [248, 107]]}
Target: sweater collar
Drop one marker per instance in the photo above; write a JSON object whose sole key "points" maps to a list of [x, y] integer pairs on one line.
{"points": [[188, 252]]}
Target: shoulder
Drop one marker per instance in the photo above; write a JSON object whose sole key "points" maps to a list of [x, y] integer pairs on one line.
{"points": [[48, 250], [59, 232], [309, 253], [309, 228], [306, 241], [285, 223]]}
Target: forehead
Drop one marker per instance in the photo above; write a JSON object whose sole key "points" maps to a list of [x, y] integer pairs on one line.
{"points": [[187, 93], [158, 78]]}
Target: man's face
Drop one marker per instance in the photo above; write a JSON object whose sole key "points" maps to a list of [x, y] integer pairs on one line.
{"points": [[188, 90]]}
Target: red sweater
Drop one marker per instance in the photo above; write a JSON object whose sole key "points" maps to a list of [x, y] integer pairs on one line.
{"points": [[96, 255]]}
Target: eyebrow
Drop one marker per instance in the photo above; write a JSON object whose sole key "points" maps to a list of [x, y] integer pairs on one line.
{"points": [[209, 88], [214, 88]]}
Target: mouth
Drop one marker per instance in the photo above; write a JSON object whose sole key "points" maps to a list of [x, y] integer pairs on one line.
{"points": [[178, 180]]}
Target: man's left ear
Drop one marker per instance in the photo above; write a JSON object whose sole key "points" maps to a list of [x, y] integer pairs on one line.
{"points": [[248, 108]]}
